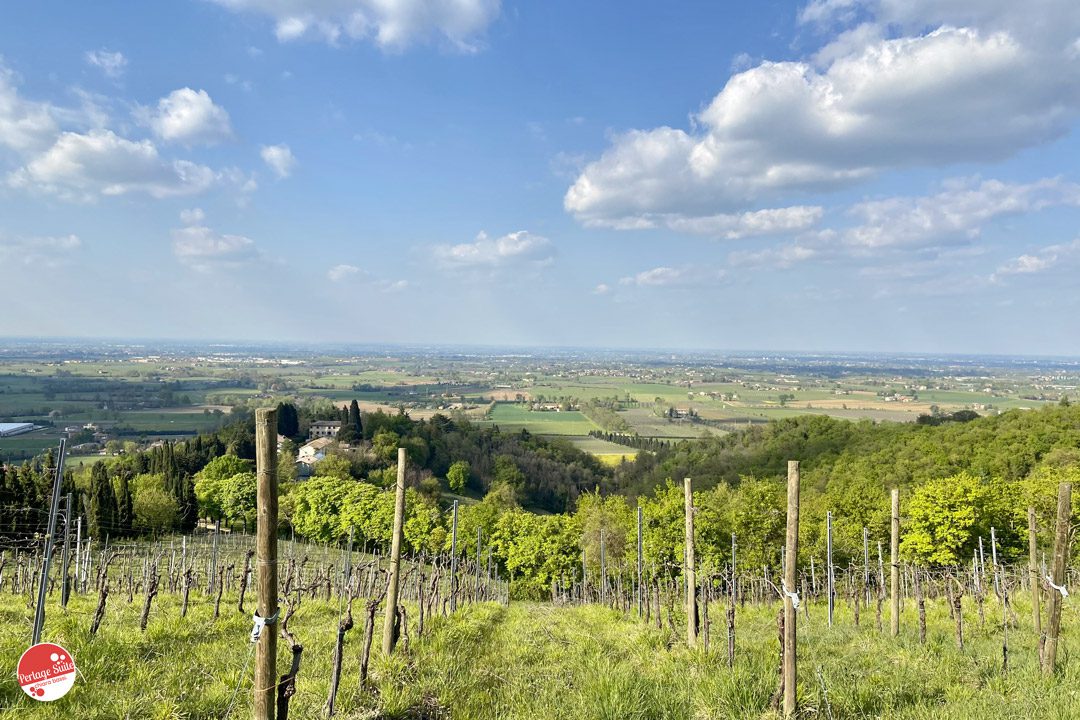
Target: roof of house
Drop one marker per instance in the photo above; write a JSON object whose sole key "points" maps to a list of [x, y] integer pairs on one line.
{"points": [[326, 423], [316, 444]]}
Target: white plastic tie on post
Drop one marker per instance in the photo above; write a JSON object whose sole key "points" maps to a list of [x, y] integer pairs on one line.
{"points": [[793, 595], [1060, 588], [260, 623]]}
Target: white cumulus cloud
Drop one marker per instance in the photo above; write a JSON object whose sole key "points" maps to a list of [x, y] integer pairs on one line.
{"points": [[390, 24], [279, 159], [83, 166], [25, 126], [956, 213], [189, 117], [954, 94]]}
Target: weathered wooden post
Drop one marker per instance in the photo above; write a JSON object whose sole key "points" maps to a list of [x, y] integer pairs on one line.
{"points": [[453, 561], [731, 605], [790, 596], [1033, 573], [1057, 578], [866, 563], [603, 569], [830, 577], [894, 572], [993, 559], [390, 620], [266, 565], [688, 566], [640, 591]]}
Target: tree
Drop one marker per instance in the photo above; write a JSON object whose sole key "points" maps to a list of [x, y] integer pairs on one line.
{"points": [[101, 517], [458, 475], [155, 510], [334, 466], [946, 517], [352, 429], [288, 420], [125, 513], [508, 473], [238, 497]]}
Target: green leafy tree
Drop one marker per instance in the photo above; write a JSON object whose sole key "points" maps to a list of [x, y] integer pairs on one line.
{"points": [[155, 510], [238, 497], [458, 475], [508, 473], [946, 517]]}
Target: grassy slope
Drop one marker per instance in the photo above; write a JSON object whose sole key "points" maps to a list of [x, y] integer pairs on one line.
{"points": [[540, 662]]}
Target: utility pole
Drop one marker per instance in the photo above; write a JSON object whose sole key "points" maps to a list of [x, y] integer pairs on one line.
{"points": [[50, 540]]}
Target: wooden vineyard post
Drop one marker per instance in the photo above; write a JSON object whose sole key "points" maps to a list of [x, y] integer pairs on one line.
{"points": [[731, 605], [266, 565], [688, 569], [830, 577], [453, 561], [894, 572], [791, 556], [866, 564], [390, 620], [640, 589], [1033, 572], [1057, 577], [603, 570]]}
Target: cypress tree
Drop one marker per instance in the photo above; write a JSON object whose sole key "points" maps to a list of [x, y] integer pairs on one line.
{"points": [[352, 431], [125, 507], [102, 515], [288, 421]]}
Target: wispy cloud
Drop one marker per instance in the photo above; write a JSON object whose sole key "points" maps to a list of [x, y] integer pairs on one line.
{"points": [[112, 64], [520, 248]]}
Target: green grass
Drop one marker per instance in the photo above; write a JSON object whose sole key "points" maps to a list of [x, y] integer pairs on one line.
{"points": [[545, 662], [512, 417]]}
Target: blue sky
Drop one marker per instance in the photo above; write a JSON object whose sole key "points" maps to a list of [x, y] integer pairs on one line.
{"points": [[892, 175]]}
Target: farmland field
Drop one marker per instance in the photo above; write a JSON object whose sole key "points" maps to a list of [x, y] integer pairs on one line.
{"points": [[510, 417]]}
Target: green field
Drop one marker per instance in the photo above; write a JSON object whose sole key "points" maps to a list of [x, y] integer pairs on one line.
{"points": [[511, 417]]}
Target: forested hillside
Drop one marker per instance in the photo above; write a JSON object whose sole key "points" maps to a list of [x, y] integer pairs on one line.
{"points": [[545, 502]]}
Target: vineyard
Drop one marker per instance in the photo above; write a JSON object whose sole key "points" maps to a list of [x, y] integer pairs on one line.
{"points": [[164, 630], [401, 612], [582, 656]]}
